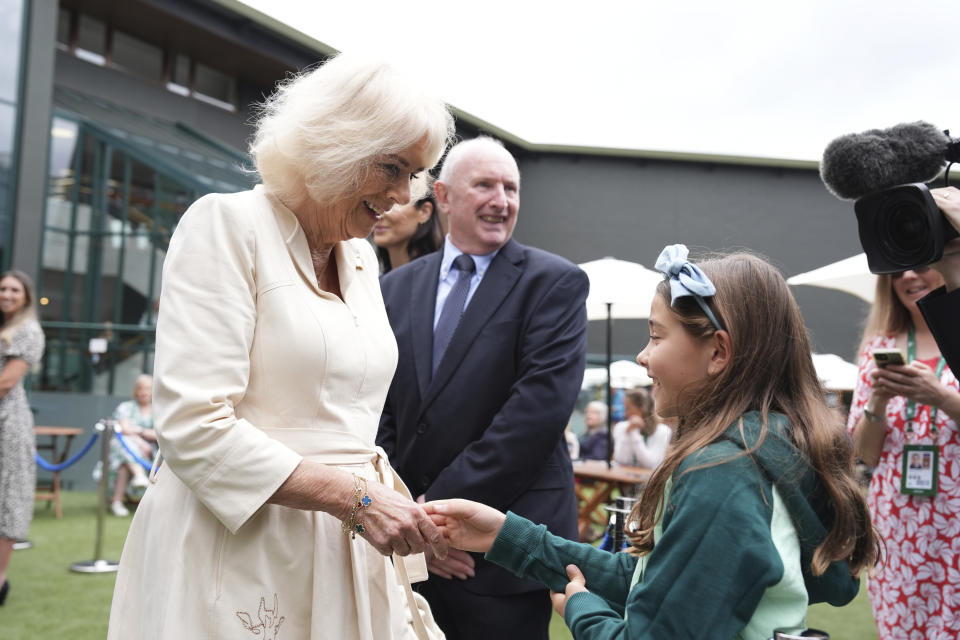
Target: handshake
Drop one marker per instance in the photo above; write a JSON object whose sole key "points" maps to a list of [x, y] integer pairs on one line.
{"points": [[451, 529], [472, 526]]}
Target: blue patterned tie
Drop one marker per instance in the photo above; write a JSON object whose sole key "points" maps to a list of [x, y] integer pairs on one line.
{"points": [[452, 307]]}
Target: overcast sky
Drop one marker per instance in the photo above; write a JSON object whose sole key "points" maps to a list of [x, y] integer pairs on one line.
{"points": [[751, 77]]}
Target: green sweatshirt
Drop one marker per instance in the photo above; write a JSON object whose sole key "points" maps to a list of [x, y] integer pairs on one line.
{"points": [[731, 557]]}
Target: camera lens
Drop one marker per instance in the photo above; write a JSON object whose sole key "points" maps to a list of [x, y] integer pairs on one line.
{"points": [[907, 227], [903, 229]]}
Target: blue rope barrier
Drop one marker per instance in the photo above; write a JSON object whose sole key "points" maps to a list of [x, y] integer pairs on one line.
{"points": [[143, 463], [63, 465]]}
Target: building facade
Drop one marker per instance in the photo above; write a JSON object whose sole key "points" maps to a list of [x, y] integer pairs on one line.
{"points": [[116, 114]]}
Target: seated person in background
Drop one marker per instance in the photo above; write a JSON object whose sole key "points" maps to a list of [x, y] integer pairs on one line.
{"points": [[641, 440], [593, 443], [136, 424], [573, 444]]}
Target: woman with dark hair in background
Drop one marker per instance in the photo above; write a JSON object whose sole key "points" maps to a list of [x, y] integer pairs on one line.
{"points": [[408, 231], [21, 345]]}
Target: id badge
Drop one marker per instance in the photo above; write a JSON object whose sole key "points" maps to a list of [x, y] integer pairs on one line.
{"points": [[919, 477]]}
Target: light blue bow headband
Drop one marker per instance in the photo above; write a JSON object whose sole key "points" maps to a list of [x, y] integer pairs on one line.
{"points": [[686, 278]]}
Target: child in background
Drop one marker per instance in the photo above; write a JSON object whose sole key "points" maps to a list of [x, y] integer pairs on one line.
{"points": [[755, 511]]}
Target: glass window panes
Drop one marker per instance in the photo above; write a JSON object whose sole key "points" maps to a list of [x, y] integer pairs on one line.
{"points": [[136, 56], [214, 86], [63, 28], [91, 40], [10, 25], [180, 73], [63, 143], [8, 115]]}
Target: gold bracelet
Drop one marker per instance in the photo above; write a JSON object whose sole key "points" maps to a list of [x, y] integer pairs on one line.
{"points": [[353, 524]]}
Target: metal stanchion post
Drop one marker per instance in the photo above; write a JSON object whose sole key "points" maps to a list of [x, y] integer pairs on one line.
{"points": [[620, 512], [98, 564]]}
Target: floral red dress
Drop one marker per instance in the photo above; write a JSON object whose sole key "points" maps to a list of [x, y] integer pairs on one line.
{"points": [[916, 595]]}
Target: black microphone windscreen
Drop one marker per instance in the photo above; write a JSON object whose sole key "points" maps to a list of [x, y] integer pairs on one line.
{"points": [[860, 163]]}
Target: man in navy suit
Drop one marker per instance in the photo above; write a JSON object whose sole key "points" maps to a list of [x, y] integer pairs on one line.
{"points": [[492, 352]]}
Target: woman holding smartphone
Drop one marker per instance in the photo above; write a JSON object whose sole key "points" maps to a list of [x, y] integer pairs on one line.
{"points": [[899, 411]]}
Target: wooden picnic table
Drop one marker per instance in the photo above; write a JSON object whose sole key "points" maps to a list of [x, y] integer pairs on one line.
{"points": [[603, 480], [58, 453]]}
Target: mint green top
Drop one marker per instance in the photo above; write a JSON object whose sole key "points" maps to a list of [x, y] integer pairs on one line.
{"points": [[731, 557]]}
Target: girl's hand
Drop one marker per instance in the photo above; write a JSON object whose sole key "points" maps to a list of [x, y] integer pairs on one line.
{"points": [[576, 585], [914, 381], [467, 525]]}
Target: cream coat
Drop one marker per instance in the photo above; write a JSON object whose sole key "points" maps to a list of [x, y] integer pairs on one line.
{"points": [[257, 369]]}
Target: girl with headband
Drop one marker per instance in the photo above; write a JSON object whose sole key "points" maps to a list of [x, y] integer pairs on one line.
{"points": [[755, 511]]}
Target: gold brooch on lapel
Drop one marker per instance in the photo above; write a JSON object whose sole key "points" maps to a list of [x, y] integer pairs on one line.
{"points": [[359, 264]]}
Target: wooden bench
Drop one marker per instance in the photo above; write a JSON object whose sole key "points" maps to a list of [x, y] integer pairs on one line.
{"points": [[51, 491]]}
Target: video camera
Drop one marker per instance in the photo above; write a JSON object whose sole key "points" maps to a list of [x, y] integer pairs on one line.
{"points": [[900, 225]]}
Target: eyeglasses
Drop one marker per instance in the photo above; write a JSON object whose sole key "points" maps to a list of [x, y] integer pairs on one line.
{"points": [[917, 270]]}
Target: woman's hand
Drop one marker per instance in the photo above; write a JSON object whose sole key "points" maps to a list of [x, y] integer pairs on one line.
{"points": [[392, 522], [880, 394], [395, 524], [914, 381], [576, 585], [635, 423], [467, 525], [127, 428]]}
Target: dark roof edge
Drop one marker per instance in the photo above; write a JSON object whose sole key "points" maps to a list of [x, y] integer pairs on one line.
{"points": [[616, 152], [280, 28], [288, 31]]}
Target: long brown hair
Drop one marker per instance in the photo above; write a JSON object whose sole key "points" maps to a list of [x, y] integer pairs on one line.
{"points": [[771, 371], [27, 313]]}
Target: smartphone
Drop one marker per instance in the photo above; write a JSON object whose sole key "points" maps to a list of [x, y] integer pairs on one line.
{"points": [[883, 357]]}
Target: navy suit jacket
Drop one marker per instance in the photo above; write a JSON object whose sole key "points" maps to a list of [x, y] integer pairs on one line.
{"points": [[489, 426]]}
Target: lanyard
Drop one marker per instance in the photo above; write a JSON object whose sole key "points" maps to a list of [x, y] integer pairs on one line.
{"points": [[911, 405]]}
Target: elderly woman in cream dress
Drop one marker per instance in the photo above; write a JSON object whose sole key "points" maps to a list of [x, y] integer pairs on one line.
{"points": [[273, 514]]}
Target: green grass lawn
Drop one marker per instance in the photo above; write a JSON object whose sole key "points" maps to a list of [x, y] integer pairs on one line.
{"points": [[47, 600]]}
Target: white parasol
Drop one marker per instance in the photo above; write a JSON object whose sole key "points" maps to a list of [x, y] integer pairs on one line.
{"points": [[850, 275]]}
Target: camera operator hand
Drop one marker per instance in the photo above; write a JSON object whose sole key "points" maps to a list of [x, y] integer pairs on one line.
{"points": [[948, 201]]}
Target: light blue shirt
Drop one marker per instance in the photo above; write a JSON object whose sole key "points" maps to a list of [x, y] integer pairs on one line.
{"points": [[449, 274]]}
